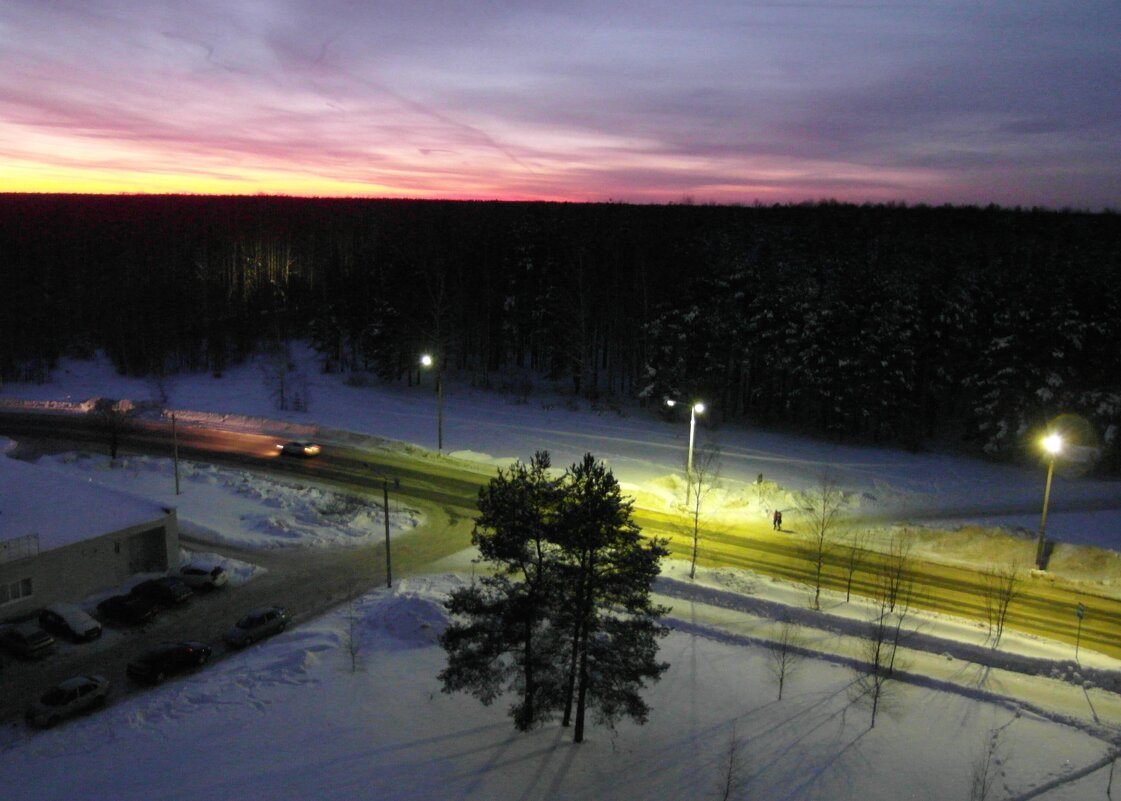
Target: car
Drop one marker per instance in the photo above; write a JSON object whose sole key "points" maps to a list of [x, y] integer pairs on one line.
{"points": [[70, 621], [68, 698], [167, 591], [203, 575], [27, 640], [302, 449], [166, 659], [132, 610], [258, 624]]}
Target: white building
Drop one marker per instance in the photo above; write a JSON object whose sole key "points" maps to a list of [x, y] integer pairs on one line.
{"points": [[62, 539]]}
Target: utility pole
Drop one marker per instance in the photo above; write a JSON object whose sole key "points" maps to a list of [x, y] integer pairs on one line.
{"points": [[175, 451], [385, 508], [1080, 611]]}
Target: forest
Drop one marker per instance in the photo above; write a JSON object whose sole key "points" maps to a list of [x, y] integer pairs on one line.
{"points": [[917, 326]]}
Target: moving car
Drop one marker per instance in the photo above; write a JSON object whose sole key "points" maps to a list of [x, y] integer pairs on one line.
{"points": [[67, 699], [304, 449], [70, 621], [26, 640], [202, 574], [133, 610], [167, 659], [258, 624], [168, 591]]}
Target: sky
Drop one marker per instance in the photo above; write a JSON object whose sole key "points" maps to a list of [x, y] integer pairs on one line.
{"points": [[1015, 102]]}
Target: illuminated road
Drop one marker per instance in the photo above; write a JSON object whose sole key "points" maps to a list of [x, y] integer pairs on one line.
{"points": [[1043, 606]]}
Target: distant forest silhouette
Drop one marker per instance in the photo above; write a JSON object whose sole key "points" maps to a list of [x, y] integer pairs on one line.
{"points": [[878, 323]]}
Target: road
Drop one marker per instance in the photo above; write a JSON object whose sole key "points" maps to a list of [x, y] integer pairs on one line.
{"points": [[312, 582]]}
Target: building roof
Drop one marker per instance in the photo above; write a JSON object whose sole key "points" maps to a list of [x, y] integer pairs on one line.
{"points": [[60, 509]]}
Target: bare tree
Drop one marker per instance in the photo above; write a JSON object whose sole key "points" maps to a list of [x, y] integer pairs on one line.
{"points": [[1002, 586], [894, 579], [893, 598], [854, 555], [111, 419], [785, 653], [985, 769], [822, 505], [703, 480], [732, 779]]}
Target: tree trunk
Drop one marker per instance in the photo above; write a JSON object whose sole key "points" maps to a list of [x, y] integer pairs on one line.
{"points": [[578, 733]]}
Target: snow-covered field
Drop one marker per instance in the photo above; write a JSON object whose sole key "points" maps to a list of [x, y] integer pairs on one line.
{"points": [[494, 427], [290, 719]]}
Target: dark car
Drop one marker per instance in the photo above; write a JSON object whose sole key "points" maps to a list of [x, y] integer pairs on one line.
{"points": [[302, 449], [258, 624], [167, 659], [70, 621], [168, 591], [68, 698], [27, 640], [133, 610]]}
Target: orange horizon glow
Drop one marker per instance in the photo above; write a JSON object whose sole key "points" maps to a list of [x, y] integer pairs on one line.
{"points": [[722, 103]]}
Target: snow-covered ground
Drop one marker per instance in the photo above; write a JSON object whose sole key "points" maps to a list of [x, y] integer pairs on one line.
{"points": [[290, 719], [494, 427]]}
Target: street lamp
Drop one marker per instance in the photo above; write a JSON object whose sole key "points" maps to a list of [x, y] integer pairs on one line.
{"points": [[1053, 444], [694, 410], [427, 361]]}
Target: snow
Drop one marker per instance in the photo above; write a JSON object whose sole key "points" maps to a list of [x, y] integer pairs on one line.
{"points": [[63, 509], [235, 507], [290, 719], [493, 428]]}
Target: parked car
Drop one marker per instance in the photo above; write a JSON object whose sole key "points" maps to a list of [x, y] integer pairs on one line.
{"points": [[167, 659], [132, 610], [303, 449], [70, 621], [258, 624], [67, 699], [27, 640], [201, 574], [168, 591]]}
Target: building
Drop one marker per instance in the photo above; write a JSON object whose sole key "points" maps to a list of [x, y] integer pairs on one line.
{"points": [[63, 539]]}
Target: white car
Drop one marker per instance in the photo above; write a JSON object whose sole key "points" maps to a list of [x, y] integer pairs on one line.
{"points": [[70, 621], [68, 698], [203, 574]]}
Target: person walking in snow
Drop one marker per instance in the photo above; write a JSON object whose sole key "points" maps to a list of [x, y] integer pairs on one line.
{"points": [[779, 524], [776, 520]]}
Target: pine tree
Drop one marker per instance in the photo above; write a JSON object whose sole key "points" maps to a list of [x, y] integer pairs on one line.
{"points": [[497, 646], [610, 618], [567, 622]]}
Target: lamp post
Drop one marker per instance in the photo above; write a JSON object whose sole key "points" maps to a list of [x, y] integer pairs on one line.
{"points": [[1053, 444], [428, 361], [694, 410]]}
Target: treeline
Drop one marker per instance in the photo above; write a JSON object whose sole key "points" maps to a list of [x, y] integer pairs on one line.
{"points": [[881, 323]]}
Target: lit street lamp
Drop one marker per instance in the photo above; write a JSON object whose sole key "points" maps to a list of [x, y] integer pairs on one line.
{"points": [[428, 361], [1053, 444], [694, 410]]}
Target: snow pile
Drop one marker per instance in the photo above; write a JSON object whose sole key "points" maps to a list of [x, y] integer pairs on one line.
{"points": [[237, 571], [243, 509]]}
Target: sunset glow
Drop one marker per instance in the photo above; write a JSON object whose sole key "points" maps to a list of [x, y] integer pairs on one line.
{"points": [[724, 102]]}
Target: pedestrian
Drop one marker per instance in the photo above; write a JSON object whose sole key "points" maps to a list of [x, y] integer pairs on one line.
{"points": [[779, 520], [776, 520]]}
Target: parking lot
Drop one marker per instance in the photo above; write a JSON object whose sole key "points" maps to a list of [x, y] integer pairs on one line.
{"points": [[306, 582]]}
